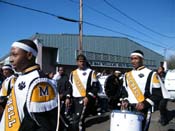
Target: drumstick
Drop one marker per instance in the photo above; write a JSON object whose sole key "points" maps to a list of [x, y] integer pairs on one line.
{"points": [[82, 114]]}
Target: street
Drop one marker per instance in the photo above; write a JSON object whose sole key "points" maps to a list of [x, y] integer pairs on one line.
{"points": [[102, 123]]}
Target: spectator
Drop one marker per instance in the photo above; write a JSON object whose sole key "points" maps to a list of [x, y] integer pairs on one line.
{"points": [[62, 87]]}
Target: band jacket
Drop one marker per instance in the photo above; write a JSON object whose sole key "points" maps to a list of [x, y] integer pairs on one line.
{"points": [[144, 82], [91, 85]]}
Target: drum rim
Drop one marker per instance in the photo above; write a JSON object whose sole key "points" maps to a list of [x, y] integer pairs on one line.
{"points": [[127, 112]]}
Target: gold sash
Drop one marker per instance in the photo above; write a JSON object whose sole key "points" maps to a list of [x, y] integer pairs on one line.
{"points": [[79, 84], [6, 90], [134, 87], [12, 121]]}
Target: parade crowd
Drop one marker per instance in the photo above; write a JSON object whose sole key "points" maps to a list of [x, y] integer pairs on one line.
{"points": [[33, 100]]}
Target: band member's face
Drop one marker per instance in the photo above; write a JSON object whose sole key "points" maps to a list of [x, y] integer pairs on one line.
{"points": [[7, 72], [136, 61], [81, 64], [18, 59]]}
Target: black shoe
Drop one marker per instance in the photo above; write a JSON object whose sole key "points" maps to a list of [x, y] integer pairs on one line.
{"points": [[163, 122]]}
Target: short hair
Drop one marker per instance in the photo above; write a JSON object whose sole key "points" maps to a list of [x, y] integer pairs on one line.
{"points": [[81, 57]]}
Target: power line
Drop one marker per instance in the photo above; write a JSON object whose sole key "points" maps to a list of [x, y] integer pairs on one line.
{"points": [[76, 21], [114, 31], [39, 11], [43, 12], [132, 19], [118, 21]]}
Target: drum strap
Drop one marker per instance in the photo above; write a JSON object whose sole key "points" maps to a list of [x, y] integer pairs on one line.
{"points": [[79, 84], [134, 87], [11, 84]]}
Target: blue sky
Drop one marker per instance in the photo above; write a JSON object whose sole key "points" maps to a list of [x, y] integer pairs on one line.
{"points": [[158, 15]]}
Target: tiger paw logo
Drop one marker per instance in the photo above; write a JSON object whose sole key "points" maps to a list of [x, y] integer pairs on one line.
{"points": [[21, 85]]}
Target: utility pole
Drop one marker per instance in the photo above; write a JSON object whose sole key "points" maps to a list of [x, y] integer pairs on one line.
{"points": [[165, 51], [80, 45], [165, 61]]}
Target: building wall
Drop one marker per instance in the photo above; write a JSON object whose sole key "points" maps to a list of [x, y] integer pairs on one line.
{"points": [[49, 59], [108, 52]]}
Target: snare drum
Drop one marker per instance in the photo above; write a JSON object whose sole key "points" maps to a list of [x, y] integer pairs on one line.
{"points": [[126, 121]]}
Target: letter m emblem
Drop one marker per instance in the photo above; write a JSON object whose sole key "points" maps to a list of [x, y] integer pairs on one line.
{"points": [[44, 91]]}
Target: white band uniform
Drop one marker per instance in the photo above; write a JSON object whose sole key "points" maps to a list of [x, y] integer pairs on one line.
{"points": [[25, 47], [138, 54]]}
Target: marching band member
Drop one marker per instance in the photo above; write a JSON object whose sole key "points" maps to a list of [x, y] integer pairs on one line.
{"points": [[7, 85], [7, 70], [33, 102], [143, 88], [83, 91], [9, 81]]}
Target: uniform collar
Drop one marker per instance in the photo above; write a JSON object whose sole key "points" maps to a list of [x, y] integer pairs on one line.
{"points": [[140, 68], [84, 69], [30, 69]]}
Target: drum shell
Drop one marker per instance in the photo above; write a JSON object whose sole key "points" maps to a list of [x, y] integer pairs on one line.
{"points": [[126, 121]]}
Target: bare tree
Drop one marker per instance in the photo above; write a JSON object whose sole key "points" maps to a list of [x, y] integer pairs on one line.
{"points": [[171, 62]]}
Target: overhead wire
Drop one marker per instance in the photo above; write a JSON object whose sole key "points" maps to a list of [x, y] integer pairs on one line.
{"points": [[124, 34], [39, 11], [118, 21], [134, 20], [76, 21]]}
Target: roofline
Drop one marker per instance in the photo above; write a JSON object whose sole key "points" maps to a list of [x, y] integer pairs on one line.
{"points": [[34, 36], [77, 35]]}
